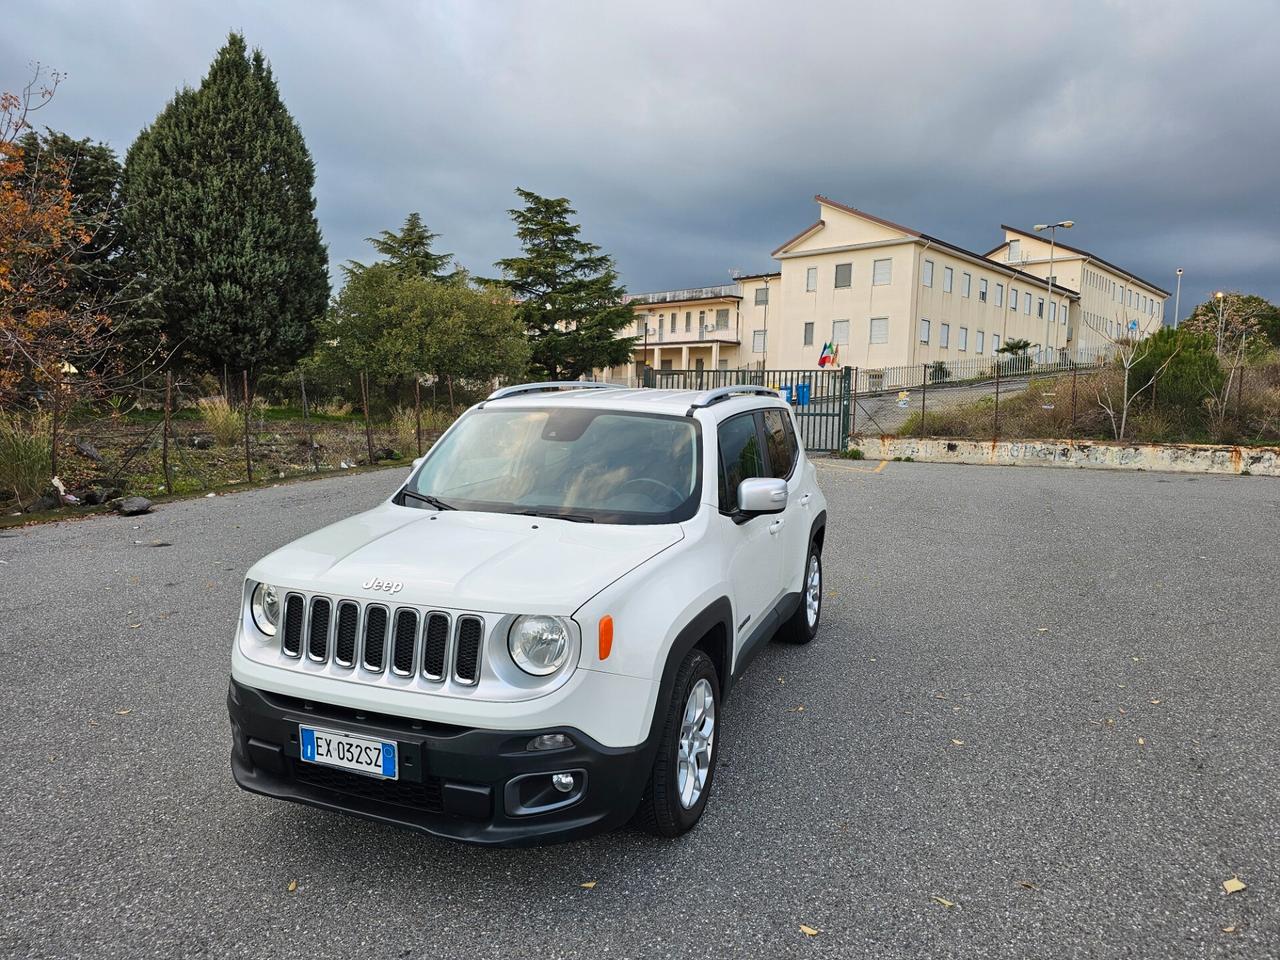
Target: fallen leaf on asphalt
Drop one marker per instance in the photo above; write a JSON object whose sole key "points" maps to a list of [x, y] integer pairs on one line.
{"points": [[939, 696], [1042, 629], [589, 885], [781, 680], [124, 711], [1122, 710], [798, 709], [809, 931], [1028, 884], [1134, 659], [1155, 703], [293, 885], [944, 901], [1234, 885], [134, 626], [957, 743], [1142, 741], [1230, 929]]}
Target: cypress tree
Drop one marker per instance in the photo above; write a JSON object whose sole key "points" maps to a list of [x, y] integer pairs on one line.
{"points": [[220, 220], [567, 292]]}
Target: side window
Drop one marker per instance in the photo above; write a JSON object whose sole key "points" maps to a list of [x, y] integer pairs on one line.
{"points": [[780, 440], [740, 457]]}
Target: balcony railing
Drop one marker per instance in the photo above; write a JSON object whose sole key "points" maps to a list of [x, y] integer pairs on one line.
{"points": [[658, 337], [691, 293]]}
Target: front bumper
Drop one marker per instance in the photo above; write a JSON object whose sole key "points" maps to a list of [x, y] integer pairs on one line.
{"points": [[453, 781]]}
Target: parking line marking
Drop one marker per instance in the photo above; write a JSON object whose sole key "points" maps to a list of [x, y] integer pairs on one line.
{"points": [[853, 469]]}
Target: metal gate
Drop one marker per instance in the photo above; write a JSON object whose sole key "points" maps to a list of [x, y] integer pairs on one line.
{"points": [[821, 399]]}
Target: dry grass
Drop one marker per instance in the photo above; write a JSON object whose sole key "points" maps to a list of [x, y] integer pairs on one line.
{"points": [[334, 408], [25, 465]]}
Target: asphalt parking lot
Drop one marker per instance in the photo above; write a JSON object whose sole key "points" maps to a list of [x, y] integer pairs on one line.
{"points": [[1041, 721]]}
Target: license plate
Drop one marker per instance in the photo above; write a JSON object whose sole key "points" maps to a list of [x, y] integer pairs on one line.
{"points": [[377, 758]]}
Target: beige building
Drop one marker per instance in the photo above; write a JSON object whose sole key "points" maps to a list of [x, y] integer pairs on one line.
{"points": [[886, 296]]}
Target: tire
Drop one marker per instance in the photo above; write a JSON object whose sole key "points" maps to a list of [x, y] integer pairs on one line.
{"points": [[803, 624], [669, 807]]}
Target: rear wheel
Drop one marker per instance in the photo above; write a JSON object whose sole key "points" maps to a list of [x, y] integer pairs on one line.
{"points": [[685, 766], [803, 624]]}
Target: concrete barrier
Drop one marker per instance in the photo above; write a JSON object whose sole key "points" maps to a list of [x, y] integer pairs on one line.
{"points": [[1106, 455]]}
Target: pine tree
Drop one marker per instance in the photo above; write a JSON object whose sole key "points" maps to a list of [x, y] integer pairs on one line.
{"points": [[220, 220], [409, 251], [568, 296]]}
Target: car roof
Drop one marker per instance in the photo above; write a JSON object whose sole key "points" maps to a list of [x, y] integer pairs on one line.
{"points": [[638, 400]]}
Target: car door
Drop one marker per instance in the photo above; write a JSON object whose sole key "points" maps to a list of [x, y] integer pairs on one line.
{"points": [[753, 546], [783, 453]]}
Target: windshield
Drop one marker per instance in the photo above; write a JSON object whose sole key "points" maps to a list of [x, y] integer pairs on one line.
{"points": [[602, 466]]}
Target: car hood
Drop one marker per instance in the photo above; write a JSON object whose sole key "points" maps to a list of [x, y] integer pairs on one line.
{"points": [[487, 562]]}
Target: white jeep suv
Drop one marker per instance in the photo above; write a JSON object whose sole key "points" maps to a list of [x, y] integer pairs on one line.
{"points": [[531, 639]]}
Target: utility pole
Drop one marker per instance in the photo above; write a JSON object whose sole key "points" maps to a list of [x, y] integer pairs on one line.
{"points": [[1177, 299], [1053, 236]]}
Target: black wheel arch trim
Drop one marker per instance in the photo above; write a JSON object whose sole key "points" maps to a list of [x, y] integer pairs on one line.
{"points": [[717, 614], [819, 525]]}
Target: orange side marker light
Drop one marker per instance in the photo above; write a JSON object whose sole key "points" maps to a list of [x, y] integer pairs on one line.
{"points": [[606, 636]]}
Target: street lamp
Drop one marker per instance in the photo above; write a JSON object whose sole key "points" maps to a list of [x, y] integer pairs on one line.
{"points": [[1177, 298], [1221, 298], [1053, 236]]}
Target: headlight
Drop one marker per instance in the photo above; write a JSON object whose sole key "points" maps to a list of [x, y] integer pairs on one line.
{"points": [[538, 645], [265, 607]]}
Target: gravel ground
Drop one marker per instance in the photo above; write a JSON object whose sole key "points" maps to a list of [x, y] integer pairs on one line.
{"points": [[1045, 697]]}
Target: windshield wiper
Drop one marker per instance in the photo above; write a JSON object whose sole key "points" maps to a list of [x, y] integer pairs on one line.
{"points": [[572, 517], [428, 499]]}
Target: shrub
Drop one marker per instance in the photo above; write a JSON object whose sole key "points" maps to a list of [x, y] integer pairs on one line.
{"points": [[336, 407], [1193, 373], [939, 371], [222, 420], [25, 466], [404, 431], [853, 453]]}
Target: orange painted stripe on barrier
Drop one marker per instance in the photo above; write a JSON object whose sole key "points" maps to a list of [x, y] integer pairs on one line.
{"points": [[606, 636]]}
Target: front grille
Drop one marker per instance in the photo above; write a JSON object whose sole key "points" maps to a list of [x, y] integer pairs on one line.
{"points": [[375, 637], [435, 641], [466, 667], [344, 638], [403, 793], [404, 641], [294, 607], [318, 634], [406, 637]]}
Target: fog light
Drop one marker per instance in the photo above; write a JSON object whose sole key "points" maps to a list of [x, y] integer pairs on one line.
{"points": [[549, 741], [562, 781]]}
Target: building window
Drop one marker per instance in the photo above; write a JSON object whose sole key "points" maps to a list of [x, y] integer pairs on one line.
{"points": [[978, 337], [1013, 298], [1015, 251], [722, 319], [944, 335], [962, 339], [688, 321], [641, 326], [811, 279], [673, 323], [1040, 308], [999, 294], [995, 343], [722, 365], [840, 332], [924, 330], [702, 321], [757, 341], [879, 329], [982, 291], [966, 284], [948, 275], [762, 296], [926, 276], [1026, 303], [844, 275], [1053, 312], [881, 273], [808, 334]]}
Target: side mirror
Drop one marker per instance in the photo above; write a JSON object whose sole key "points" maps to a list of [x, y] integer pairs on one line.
{"points": [[761, 495]]}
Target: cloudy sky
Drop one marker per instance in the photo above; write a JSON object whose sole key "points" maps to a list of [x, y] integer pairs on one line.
{"points": [[692, 137]]}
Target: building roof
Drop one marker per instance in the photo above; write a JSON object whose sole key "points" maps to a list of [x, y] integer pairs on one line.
{"points": [[932, 241], [758, 276], [1084, 253], [659, 304]]}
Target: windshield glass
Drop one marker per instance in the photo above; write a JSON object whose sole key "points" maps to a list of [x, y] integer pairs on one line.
{"points": [[603, 466]]}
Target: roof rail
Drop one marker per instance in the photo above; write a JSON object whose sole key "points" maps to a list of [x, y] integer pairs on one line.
{"points": [[710, 397], [553, 385]]}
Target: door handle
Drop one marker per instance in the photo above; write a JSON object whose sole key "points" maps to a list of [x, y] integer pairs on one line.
{"points": [[775, 527]]}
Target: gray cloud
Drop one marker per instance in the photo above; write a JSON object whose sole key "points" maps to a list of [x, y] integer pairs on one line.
{"points": [[691, 137]]}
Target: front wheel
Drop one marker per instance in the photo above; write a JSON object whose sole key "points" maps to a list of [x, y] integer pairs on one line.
{"points": [[803, 624], [685, 766]]}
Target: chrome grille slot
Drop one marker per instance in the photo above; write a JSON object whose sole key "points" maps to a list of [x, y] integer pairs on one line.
{"points": [[435, 643], [294, 613], [375, 637], [318, 629], [405, 639], [466, 661], [344, 638]]}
